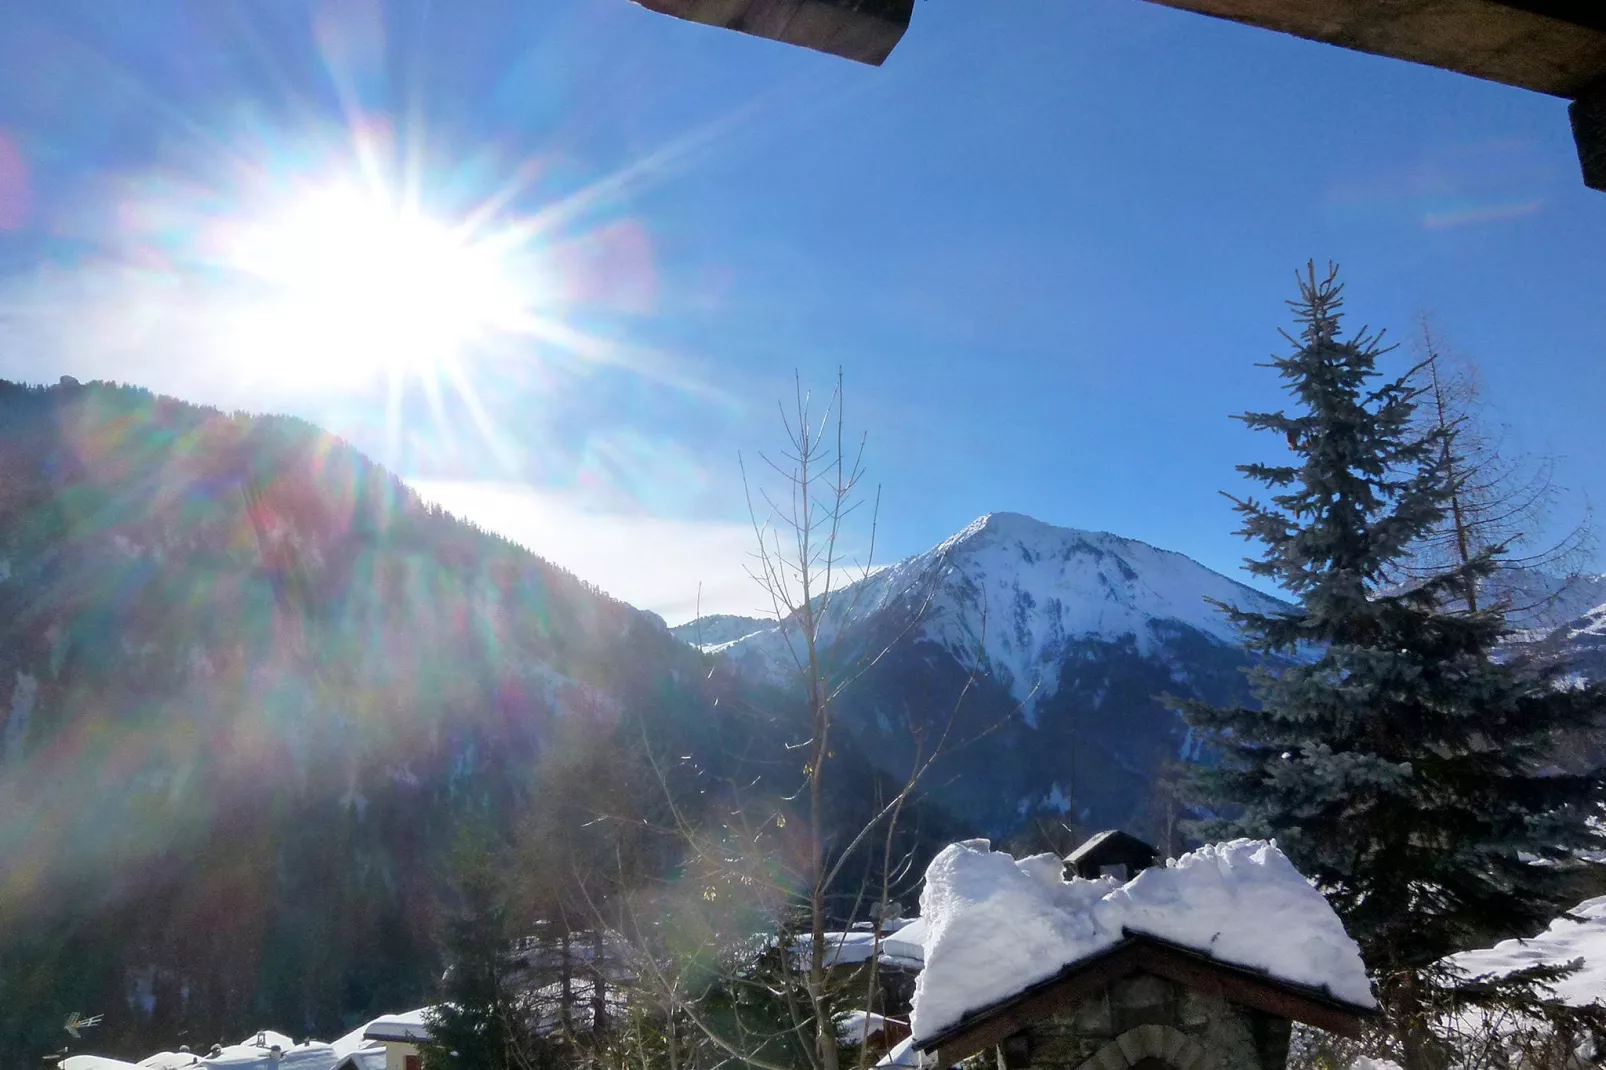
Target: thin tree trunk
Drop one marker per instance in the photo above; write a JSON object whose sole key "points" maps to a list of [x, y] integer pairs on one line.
{"points": [[565, 983], [1463, 541], [599, 991]]}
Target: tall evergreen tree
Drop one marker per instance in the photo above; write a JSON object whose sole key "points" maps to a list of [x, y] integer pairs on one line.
{"points": [[1400, 764], [481, 1021]]}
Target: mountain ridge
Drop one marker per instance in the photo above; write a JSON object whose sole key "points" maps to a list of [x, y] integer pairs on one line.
{"points": [[1007, 591], [1054, 648]]}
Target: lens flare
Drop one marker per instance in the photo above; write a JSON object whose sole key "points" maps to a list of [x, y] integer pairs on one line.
{"points": [[349, 285]]}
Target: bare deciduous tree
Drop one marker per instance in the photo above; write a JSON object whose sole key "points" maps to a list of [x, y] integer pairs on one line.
{"points": [[1499, 496], [743, 947]]}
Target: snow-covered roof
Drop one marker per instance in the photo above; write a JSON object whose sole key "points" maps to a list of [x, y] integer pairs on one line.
{"points": [[256, 1053], [1109, 839], [365, 1059], [1565, 941], [907, 946], [905, 1056], [354, 1042], [409, 1025], [855, 1027], [903, 947], [94, 1062], [996, 926]]}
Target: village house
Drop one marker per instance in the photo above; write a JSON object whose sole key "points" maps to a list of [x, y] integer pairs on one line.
{"points": [[1110, 960], [1151, 1004], [400, 1035]]}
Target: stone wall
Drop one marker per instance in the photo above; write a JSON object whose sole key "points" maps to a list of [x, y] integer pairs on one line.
{"points": [[1143, 1017]]}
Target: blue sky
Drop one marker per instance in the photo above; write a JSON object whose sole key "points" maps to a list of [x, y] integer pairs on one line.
{"points": [[1048, 242]]}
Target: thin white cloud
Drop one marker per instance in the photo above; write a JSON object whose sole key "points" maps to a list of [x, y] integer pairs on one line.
{"points": [[651, 562]]}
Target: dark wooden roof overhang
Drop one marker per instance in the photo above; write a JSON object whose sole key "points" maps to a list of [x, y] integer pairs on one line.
{"points": [[1557, 47], [1109, 846], [1143, 953], [863, 30], [1549, 46]]}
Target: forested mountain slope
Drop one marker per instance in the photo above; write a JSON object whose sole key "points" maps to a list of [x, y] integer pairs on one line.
{"points": [[249, 688]]}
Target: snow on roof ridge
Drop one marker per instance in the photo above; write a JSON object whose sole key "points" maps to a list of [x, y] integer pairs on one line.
{"points": [[997, 925]]}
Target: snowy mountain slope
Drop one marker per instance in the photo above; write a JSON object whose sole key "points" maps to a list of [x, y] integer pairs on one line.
{"points": [[1540, 602], [1008, 594], [1054, 649], [717, 630], [1582, 634]]}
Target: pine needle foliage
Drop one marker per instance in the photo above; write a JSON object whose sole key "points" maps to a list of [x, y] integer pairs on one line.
{"points": [[1398, 761], [483, 1020]]}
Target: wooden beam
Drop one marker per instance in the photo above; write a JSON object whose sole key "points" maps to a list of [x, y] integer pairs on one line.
{"points": [[1590, 16], [1588, 115], [1548, 46], [862, 30], [1245, 991]]}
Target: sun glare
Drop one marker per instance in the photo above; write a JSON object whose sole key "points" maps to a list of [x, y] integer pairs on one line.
{"points": [[351, 285]]}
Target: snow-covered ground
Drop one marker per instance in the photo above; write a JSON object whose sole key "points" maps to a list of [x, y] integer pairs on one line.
{"points": [[995, 925], [1582, 941]]}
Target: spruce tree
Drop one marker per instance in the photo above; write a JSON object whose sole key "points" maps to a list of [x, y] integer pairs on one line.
{"points": [[1398, 760], [481, 1021]]}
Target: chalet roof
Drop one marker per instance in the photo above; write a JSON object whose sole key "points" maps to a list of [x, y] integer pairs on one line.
{"points": [[999, 926], [408, 1026], [863, 30], [1556, 47], [1140, 952], [1549, 46], [1112, 844]]}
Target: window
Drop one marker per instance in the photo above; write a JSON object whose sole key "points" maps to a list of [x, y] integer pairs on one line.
{"points": [[412, 1062], [1017, 1051]]}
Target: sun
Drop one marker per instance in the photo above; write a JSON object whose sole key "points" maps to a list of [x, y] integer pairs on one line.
{"points": [[346, 284]]}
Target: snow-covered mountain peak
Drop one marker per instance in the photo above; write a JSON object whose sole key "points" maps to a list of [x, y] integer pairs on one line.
{"points": [[1010, 594], [1016, 528], [1031, 538]]}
